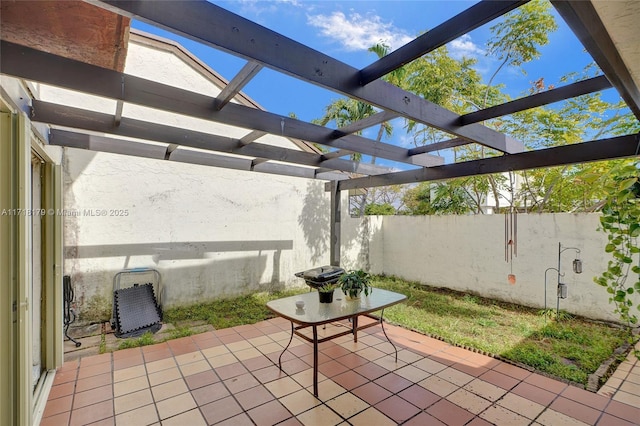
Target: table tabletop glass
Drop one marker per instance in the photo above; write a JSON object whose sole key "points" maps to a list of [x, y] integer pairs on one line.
{"points": [[314, 312]]}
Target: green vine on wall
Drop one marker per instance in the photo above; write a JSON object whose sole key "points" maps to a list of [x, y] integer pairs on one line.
{"points": [[620, 220]]}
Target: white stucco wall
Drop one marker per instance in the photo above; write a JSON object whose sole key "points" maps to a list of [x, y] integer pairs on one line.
{"points": [[210, 232], [466, 253]]}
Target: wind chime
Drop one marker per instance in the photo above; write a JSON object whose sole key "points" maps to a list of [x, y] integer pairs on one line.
{"points": [[511, 240], [511, 235]]}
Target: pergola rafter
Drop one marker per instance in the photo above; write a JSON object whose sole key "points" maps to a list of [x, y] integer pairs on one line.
{"points": [[237, 83], [65, 116], [35, 65], [470, 19], [214, 26], [580, 88], [604, 149]]}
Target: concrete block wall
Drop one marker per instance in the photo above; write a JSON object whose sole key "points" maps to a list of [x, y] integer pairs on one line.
{"points": [[467, 253]]}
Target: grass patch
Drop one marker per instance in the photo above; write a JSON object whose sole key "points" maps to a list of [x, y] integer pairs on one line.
{"points": [[144, 340], [571, 348], [224, 313]]}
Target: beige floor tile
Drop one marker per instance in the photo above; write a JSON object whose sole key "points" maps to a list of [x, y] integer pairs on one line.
{"points": [[501, 416], [247, 354], [164, 376], [189, 358], [454, 376], [176, 405], [634, 377], [430, 366], [222, 360], [129, 373], [129, 386], [371, 417], [438, 386], [554, 418], [299, 401], [283, 386], [412, 373], [215, 351], [319, 416], [352, 346], [521, 405], [389, 363], [160, 365], [485, 389], [408, 356], [614, 382], [368, 339], [347, 405], [169, 389], [469, 401], [132, 401], [262, 340], [238, 346], [280, 336], [269, 348], [607, 391], [627, 398], [371, 353], [630, 387], [328, 389], [195, 368], [305, 378], [190, 418], [142, 416]]}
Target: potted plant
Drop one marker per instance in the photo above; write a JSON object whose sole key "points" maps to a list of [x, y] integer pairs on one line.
{"points": [[326, 292], [353, 283]]}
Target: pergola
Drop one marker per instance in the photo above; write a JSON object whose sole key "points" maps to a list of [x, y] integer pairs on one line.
{"points": [[608, 31]]}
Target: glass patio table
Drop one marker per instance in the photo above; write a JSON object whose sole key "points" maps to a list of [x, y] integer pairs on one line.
{"points": [[314, 314]]}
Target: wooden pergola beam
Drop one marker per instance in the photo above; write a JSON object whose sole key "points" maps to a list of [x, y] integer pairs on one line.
{"points": [[605, 149], [214, 26]]}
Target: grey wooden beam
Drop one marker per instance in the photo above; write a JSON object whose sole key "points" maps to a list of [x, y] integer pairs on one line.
{"points": [[237, 83], [98, 122], [451, 143], [586, 24], [140, 149], [466, 21], [573, 90], [365, 123], [118, 115], [336, 154], [605, 149], [251, 137], [212, 25], [24, 62]]}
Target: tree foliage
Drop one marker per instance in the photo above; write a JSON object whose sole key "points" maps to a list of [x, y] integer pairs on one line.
{"points": [[620, 220]]}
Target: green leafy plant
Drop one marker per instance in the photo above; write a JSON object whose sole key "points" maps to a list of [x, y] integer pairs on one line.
{"points": [[620, 220], [354, 282], [327, 288]]}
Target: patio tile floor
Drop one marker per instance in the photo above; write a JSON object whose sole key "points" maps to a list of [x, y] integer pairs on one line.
{"points": [[230, 377]]}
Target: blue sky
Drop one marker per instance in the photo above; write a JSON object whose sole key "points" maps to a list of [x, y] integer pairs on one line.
{"points": [[345, 29]]}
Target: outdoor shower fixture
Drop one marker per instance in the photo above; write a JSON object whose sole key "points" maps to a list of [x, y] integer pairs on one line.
{"points": [[562, 288]]}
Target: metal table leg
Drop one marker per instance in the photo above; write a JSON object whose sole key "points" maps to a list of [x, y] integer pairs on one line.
{"points": [[285, 348], [385, 333], [315, 361]]}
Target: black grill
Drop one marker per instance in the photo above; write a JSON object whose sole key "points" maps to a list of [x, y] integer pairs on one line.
{"points": [[317, 277]]}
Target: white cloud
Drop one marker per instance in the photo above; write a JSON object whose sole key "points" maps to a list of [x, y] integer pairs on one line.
{"points": [[357, 32], [464, 47]]}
